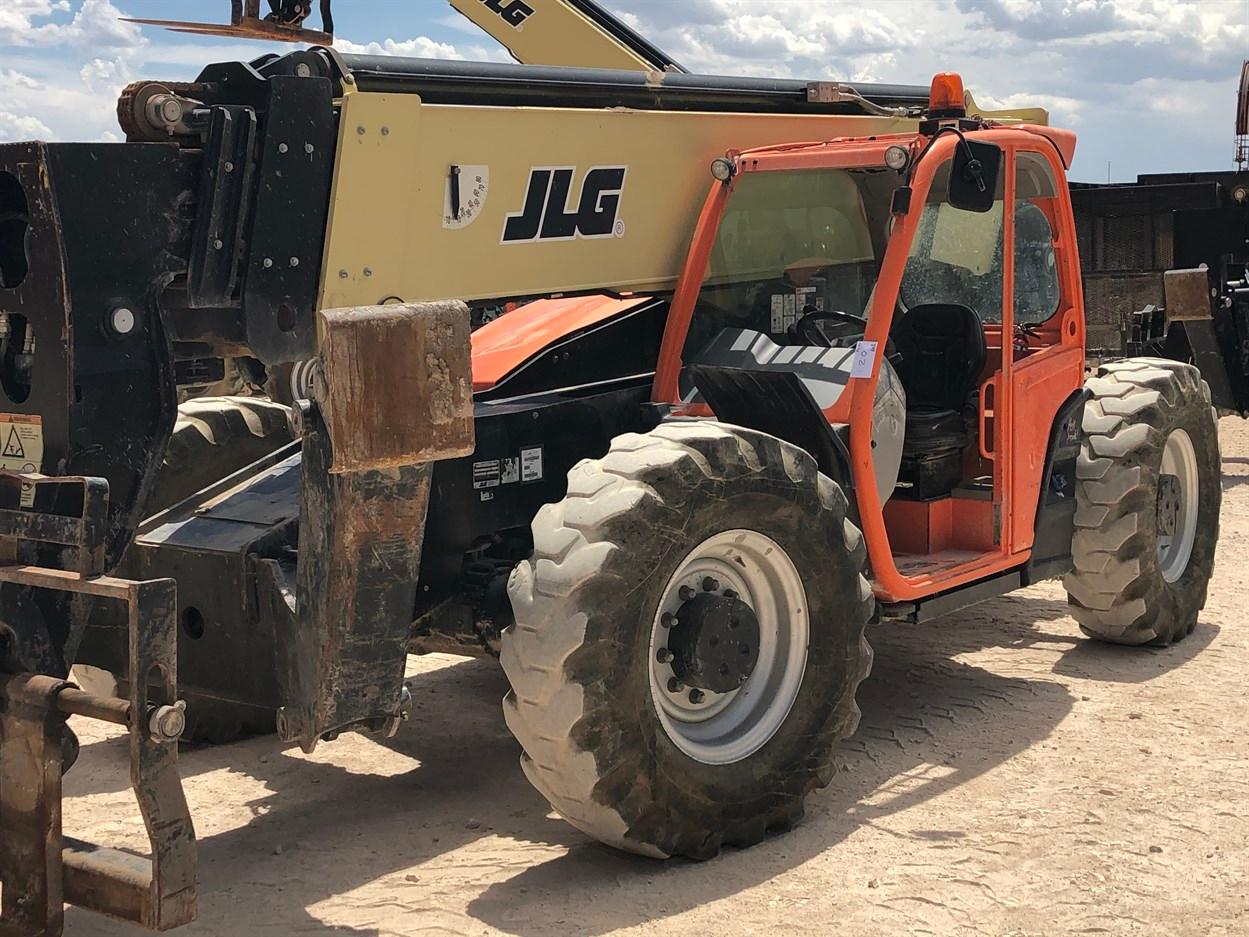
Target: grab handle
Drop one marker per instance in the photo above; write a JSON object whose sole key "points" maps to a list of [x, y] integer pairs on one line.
{"points": [[987, 404]]}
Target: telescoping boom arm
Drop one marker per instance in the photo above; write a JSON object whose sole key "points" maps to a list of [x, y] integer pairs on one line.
{"points": [[577, 33], [480, 181]]}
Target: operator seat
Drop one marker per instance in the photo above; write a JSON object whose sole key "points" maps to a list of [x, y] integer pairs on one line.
{"points": [[942, 353]]}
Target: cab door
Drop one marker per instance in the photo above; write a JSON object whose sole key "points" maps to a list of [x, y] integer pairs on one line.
{"points": [[952, 331], [1045, 322]]}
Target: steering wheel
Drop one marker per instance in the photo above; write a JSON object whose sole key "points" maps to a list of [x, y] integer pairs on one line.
{"points": [[804, 331]]}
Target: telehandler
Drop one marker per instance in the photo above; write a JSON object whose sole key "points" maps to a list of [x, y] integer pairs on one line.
{"points": [[837, 380]]}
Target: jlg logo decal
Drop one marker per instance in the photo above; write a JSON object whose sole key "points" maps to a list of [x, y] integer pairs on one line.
{"points": [[514, 13], [550, 215]]}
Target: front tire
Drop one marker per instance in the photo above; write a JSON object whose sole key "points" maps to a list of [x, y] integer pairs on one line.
{"points": [[1148, 494], [649, 540]]}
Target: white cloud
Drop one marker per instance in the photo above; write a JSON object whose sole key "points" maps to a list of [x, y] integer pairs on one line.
{"points": [[15, 79], [1149, 84], [97, 24], [17, 16], [106, 75], [1122, 41], [22, 127], [811, 38], [420, 47]]}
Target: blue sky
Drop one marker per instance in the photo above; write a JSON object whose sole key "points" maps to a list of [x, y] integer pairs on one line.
{"points": [[1149, 85]]}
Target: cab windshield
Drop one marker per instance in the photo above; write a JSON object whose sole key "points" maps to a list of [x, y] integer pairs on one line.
{"points": [[792, 243], [797, 255]]}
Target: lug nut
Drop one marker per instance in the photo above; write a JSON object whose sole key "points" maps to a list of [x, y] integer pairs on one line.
{"points": [[711, 584], [730, 593], [686, 593], [663, 655], [697, 696], [675, 685], [667, 619]]}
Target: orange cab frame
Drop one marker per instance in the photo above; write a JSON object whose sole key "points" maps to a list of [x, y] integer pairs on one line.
{"points": [[1047, 376]]}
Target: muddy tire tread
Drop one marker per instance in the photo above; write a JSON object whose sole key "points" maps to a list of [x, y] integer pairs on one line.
{"points": [[549, 710]]}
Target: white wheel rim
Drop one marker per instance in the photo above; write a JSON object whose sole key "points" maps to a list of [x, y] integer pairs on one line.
{"points": [[1177, 505], [726, 727]]}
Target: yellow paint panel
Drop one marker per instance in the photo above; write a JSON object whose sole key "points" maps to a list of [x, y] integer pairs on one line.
{"points": [[388, 236]]}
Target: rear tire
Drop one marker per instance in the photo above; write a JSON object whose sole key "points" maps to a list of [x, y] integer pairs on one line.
{"points": [[610, 752], [215, 437], [1148, 494]]}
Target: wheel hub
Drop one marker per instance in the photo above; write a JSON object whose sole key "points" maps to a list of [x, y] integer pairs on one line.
{"points": [[1168, 505], [729, 709], [714, 642], [1178, 481]]}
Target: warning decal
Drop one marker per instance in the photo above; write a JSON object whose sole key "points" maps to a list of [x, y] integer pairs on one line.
{"points": [[531, 464], [489, 474], [13, 448], [21, 442], [486, 474]]}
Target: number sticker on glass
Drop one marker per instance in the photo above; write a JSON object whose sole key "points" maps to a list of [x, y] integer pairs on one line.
{"points": [[864, 359]]}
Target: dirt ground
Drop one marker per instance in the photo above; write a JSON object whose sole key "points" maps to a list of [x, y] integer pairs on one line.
{"points": [[1009, 778]]}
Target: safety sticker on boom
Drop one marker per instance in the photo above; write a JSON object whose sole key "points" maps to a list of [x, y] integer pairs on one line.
{"points": [[21, 448], [464, 195]]}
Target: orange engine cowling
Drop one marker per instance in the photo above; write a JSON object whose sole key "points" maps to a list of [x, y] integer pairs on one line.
{"points": [[518, 339]]}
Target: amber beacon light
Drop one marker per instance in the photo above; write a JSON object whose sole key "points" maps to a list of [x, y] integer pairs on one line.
{"points": [[945, 98]]}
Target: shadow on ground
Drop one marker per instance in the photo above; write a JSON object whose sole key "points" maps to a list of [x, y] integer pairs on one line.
{"points": [[931, 722], [1235, 479]]}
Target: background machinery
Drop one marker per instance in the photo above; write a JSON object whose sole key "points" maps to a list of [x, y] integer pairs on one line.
{"points": [[775, 403], [1134, 236]]}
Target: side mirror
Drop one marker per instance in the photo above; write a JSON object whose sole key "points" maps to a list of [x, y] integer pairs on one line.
{"points": [[973, 177]]}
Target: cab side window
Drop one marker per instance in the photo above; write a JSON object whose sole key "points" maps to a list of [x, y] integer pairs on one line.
{"points": [[1037, 291], [956, 257]]}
